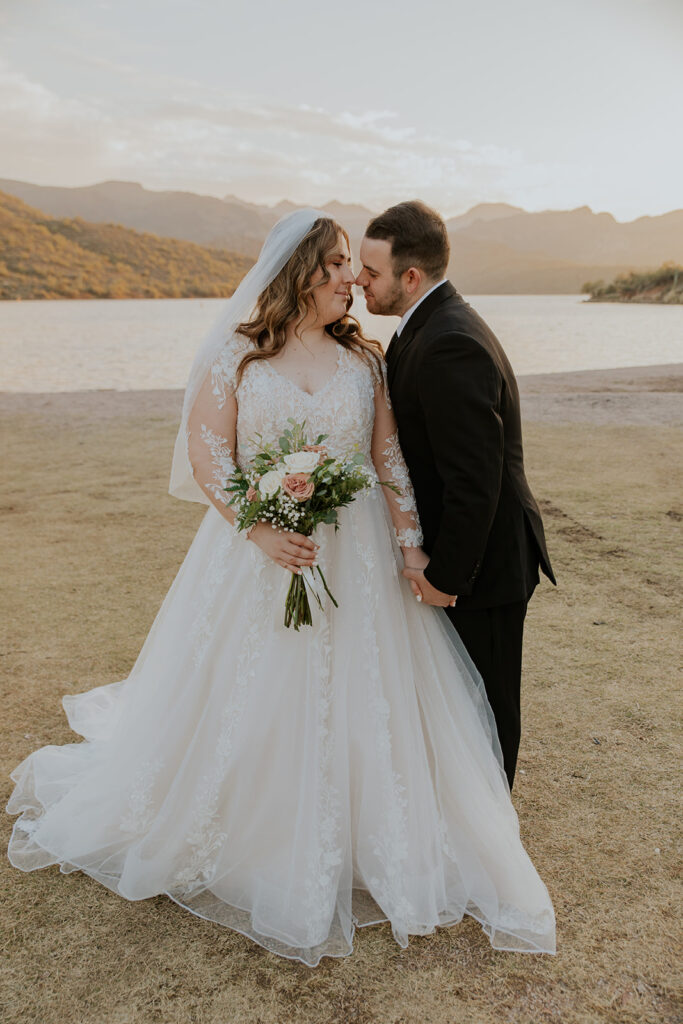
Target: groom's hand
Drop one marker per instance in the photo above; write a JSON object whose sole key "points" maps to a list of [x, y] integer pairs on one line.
{"points": [[424, 591]]}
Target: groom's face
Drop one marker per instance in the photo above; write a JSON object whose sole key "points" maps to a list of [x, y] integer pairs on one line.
{"points": [[383, 291]]}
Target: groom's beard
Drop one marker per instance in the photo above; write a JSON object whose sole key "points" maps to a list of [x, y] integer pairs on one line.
{"points": [[389, 305]]}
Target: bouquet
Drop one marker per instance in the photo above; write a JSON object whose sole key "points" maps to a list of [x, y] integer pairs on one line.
{"points": [[296, 486]]}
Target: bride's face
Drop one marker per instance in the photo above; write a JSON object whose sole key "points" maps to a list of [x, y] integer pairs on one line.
{"points": [[332, 297]]}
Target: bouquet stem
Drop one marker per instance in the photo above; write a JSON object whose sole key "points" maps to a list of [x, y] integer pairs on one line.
{"points": [[297, 605]]}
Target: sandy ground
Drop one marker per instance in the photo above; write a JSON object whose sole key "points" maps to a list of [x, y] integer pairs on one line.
{"points": [[92, 543], [641, 394]]}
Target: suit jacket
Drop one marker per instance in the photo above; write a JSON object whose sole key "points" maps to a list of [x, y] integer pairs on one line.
{"points": [[456, 403]]}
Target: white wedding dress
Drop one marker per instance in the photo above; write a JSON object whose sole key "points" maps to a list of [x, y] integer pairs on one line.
{"points": [[293, 785]]}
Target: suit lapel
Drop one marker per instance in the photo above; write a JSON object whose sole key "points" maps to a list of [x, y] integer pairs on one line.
{"points": [[416, 321]]}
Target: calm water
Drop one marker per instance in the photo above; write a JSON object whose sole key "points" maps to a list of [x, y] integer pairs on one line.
{"points": [[137, 344]]}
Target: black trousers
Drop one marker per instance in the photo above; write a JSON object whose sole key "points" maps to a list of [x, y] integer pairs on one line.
{"points": [[493, 638]]}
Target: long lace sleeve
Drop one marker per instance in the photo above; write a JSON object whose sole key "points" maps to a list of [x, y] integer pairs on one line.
{"points": [[212, 427], [390, 466]]}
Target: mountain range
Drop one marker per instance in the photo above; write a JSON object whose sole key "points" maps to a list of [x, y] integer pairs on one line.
{"points": [[496, 248], [43, 257]]}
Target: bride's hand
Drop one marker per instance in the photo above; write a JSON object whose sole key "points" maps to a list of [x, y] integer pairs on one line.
{"points": [[290, 550], [415, 562], [424, 591]]}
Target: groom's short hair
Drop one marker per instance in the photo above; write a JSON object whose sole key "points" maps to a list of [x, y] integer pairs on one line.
{"points": [[417, 235]]}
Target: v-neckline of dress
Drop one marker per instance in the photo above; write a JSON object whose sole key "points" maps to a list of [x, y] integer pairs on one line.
{"points": [[300, 390]]}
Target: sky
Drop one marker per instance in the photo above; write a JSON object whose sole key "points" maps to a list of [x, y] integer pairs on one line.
{"points": [[545, 104]]}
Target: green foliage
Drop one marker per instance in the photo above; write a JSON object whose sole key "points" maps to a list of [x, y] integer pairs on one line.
{"points": [[590, 287], [665, 285], [335, 483], [46, 258]]}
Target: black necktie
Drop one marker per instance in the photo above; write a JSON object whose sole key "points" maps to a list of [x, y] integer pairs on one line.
{"points": [[391, 346]]}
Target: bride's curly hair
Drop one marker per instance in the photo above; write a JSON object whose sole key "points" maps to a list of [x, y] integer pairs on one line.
{"points": [[286, 299]]}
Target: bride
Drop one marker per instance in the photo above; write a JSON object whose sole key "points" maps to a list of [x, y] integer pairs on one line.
{"points": [[292, 785]]}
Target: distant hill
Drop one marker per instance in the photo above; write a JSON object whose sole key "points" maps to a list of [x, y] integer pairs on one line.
{"points": [[582, 236], [205, 220], [664, 285], [483, 212], [496, 248], [46, 258], [491, 268]]}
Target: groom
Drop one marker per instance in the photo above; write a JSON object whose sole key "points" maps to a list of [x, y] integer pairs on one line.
{"points": [[457, 407]]}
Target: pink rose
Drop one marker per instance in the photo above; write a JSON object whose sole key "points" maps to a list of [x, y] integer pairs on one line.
{"points": [[298, 486], [252, 494]]}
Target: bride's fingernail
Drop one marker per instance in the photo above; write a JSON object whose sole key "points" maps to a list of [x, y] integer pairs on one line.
{"points": [[419, 597]]}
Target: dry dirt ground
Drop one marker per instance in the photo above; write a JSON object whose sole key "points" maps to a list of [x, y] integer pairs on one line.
{"points": [[92, 542]]}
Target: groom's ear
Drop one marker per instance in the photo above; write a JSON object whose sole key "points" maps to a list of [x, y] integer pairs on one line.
{"points": [[411, 279]]}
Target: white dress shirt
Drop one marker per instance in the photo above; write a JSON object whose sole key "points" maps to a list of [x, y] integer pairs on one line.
{"points": [[409, 312]]}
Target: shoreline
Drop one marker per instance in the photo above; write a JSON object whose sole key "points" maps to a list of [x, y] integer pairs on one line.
{"points": [[636, 395]]}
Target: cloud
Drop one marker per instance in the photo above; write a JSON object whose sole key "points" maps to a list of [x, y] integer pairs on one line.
{"points": [[226, 143], [46, 134]]}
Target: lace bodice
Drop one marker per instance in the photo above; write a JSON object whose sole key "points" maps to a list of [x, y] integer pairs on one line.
{"points": [[352, 408], [343, 408]]}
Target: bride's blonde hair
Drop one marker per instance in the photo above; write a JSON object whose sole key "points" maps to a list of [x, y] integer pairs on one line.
{"points": [[286, 299]]}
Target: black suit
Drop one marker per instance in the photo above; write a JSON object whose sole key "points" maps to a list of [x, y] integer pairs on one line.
{"points": [[457, 407]]}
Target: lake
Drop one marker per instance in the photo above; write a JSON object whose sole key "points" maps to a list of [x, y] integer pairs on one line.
{"points": [[139, 344]]}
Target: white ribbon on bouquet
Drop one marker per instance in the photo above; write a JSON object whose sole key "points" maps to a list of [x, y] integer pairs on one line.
{"points": [[313, 584]]}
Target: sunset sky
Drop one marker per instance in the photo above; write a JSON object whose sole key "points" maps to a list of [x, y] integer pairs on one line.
{"points": [[540, 103]]}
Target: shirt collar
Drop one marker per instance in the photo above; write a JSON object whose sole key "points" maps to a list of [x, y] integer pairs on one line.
{"points": [[409, 312]]}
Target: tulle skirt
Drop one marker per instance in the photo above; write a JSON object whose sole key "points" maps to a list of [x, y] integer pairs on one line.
{"points": [[292, 786]]}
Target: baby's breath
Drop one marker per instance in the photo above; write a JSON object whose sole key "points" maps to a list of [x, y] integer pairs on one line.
{"points": [[336, 481]]}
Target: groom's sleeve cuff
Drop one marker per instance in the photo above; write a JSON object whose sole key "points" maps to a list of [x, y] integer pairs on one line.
{"points": [[444, 581]]}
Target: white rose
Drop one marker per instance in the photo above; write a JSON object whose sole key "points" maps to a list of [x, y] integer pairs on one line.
{"points": [[301, 462], [269, 483]]}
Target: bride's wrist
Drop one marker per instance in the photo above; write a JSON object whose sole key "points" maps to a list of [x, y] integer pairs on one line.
{"points": [[260, 531], [249, 532], [414, 558]]}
